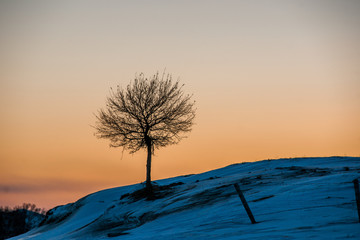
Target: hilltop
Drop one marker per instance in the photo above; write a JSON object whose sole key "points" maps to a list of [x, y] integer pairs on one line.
{"points": [[299, 198]]}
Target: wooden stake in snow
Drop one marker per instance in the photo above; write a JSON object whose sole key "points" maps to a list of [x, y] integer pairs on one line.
{"points": [[357, 195], [246, 206]]}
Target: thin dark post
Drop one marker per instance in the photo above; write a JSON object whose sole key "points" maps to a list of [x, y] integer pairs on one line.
{"points": [[246, 206], [357, 195]]}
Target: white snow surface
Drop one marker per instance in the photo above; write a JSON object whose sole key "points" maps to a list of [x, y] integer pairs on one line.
{"points": [[299, 198]]}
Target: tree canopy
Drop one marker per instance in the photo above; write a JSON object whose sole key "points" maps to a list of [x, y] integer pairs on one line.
{"points": [[149, 113]]}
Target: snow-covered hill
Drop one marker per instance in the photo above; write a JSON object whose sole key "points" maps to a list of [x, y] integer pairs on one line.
{"points": [[303, 198]]}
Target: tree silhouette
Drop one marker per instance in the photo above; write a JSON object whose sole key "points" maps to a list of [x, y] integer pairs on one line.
{"points": [[147, 114]]}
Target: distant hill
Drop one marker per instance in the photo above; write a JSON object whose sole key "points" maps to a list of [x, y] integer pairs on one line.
{"points": [[299, 198], [15, 222]]}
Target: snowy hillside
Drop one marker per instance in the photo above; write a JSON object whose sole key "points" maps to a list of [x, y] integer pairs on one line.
{"points": [[307, 198]]}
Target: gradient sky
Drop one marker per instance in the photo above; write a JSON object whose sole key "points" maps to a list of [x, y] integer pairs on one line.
{"points": [[271, 79]]}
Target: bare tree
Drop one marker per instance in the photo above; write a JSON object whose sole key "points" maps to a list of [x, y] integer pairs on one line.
{"points": [[148, 114]]}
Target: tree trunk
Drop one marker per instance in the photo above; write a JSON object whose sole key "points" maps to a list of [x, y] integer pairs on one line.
{"points": [[148, 169]]}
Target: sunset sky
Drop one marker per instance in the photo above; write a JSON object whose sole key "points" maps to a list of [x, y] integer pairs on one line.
{"points": [[271, 79]]}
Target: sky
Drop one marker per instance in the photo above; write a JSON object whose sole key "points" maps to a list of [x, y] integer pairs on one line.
{"points": [[271, 79]]}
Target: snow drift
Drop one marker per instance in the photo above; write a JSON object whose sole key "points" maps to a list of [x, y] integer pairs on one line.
{"points": [[302, 198]]}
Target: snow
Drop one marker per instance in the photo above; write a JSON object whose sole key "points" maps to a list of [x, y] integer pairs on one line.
{"points": [[303, 198]]}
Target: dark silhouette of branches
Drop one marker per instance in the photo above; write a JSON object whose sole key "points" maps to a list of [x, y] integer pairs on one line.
{"points": [[147, 114]]}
